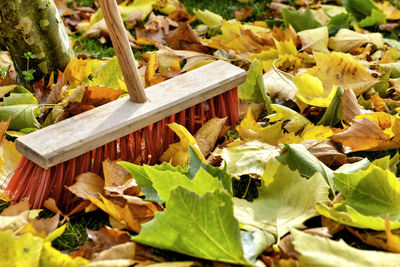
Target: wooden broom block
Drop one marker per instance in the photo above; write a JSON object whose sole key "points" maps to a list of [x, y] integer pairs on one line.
{"points": [[82, 133]]}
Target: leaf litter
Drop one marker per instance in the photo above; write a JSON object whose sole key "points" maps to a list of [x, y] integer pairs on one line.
{"points": [[324, 108]]}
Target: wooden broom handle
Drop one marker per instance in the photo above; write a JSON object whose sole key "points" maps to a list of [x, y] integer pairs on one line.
{"points": [[119, 39]]}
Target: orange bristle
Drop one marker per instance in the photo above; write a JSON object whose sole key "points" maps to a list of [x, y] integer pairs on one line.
{"points": [[37, 184]]}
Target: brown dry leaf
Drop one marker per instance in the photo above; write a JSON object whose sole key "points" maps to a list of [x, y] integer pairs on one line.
{"points": [[350, 107], [185, 38], [114, 174], [365, 134], [208, 134], [57, 91], [343, 71], [243, 13], [132, 213], [102, 239], [118, 181], [124, 251], [87, 185], [326, 151], [42, 227], [156, 28], [15, 209]]}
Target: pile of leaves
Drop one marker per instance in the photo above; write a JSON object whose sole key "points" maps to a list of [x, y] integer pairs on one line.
{"points": [[308, 177]]}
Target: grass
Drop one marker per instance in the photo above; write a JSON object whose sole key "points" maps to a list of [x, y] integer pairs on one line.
{"points": [[225, 8], [75, 234]]}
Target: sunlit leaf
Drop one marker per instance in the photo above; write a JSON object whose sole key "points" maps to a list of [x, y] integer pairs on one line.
{"points": [[192, 225], [178, 154], [343, 71], [315, 39], [312, 92], [286, 209], [247, 157], [315, 250], [370, 194]]}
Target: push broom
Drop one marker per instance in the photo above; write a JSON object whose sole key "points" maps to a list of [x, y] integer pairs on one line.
{"points": [[132, 129]]}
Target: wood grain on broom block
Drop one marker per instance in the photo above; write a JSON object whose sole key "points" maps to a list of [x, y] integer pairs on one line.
{"points": [[84, 132]]}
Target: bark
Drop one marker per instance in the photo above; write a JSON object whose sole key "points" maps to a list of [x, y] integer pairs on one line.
{"points": [[34, 26]]}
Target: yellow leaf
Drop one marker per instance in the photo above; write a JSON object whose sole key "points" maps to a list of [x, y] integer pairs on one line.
{"points": [[78, 70], [310, 132], [286, 47], [250, 130], [9, 158], [391, 12], [266, 57], [132, 213], [311, 90], [315, 39], [209, 18], [178, 154], [52, 257], [296, 120], [343, 71], [151, 67], [23, 250]]}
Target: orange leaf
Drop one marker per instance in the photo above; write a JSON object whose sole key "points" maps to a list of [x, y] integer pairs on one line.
{"points": [[365, 134], [132, 213]]}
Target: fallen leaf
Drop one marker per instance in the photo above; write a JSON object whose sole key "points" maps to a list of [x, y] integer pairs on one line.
{"points": [[285, 210], [311, 91], [114, 174], [120, 251], [365, 134], [315, 39], [87, 185], [247, 157], [326, 151], [132, 213], [178, 154], [191, 228], [315, 250], [391, 12], [78, 70], [370, 194], [101, 240], [343, 71], [346, 40], [208, 134], [243, 13], [280, 85], [350, 107]]}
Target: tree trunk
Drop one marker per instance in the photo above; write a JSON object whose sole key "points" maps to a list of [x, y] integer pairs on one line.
{"points": [[34, 26]]}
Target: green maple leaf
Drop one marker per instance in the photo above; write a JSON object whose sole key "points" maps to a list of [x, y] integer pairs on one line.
{"points": [[202, 227], [285, 200], [370, 195], [300, 20]]}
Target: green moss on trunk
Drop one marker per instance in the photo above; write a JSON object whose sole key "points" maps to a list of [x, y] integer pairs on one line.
{"points": [[35, 26]]}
